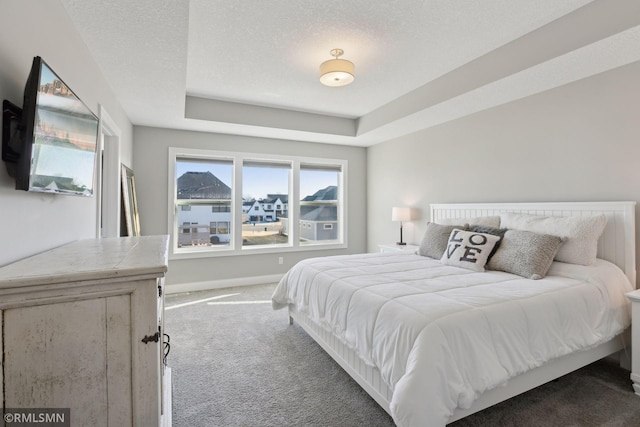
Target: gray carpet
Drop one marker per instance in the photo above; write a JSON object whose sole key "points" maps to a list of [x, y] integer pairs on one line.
{"points": [[236, 362]]}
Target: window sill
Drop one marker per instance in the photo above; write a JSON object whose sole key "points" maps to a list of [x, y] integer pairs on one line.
{"points": [[248, 251]]}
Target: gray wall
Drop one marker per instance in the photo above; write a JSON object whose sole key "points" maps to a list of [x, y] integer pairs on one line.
{"points": [[579, 142], [150, 153], [32, 222]]}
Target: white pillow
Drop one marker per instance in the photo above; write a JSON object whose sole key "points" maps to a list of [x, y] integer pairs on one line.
{"points": [[489, 221], [580, 233], [468, 249]]}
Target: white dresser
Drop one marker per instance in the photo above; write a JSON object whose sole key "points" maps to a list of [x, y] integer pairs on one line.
{"points": [[83, 329]]}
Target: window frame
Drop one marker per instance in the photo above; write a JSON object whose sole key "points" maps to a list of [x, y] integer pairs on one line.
{"points": [[235, 246]]}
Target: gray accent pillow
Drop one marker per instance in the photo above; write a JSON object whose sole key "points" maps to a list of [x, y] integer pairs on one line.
{"points": [[435, 239], [490, 230], [525, 253]]}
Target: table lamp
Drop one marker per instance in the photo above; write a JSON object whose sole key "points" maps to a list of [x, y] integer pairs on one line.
{"points": [[402, 215]]}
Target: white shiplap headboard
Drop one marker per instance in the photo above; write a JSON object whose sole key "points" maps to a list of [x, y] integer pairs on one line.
{"points": [[617, 243]]}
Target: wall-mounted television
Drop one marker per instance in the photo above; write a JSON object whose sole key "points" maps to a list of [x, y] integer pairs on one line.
{"points": [[49, 145]]}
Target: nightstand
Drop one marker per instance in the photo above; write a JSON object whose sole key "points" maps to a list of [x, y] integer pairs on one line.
{"points": [[635, 339], [392, 247]]}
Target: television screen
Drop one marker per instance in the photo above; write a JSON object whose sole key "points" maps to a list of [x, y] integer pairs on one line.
{"points": [[64, 136], [53, 149]]}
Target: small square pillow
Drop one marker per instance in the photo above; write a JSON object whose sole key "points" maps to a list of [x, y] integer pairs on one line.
{"points": [[468, 249], [489, 221], [525, 253], [435, 238], [581, 233]]}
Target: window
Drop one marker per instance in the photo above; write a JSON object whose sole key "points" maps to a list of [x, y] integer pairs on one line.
{"points": [[203, 190], [221, 208], [223, 227], [319, 203], [265, 181], [225, 203]]}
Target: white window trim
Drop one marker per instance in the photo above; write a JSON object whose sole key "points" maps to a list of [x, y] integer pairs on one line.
{"points": [[235, 244]]}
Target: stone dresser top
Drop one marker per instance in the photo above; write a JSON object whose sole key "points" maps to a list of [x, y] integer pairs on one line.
{"points": [[89, 260]]}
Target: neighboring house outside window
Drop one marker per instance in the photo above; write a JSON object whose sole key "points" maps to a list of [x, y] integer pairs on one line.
{"points": [[319, 216]]}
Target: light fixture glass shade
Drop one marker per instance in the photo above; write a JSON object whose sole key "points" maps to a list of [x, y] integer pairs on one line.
{"points": [[401, 214], [337, 72]]}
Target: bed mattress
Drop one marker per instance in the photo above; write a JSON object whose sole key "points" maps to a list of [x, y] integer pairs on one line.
{"points": [[442, 335]]}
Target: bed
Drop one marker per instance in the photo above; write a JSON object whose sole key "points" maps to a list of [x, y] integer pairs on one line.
{"points": [[432, 342]]}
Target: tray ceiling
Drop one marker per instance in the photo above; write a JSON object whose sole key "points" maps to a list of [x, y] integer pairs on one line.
{"points": [[251, 67]]}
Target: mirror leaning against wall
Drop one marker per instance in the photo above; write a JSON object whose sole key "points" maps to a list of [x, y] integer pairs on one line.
{"points": [[130, 221]]}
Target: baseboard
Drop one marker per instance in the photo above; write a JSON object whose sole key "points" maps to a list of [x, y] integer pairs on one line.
{"points": [[220, 284]]}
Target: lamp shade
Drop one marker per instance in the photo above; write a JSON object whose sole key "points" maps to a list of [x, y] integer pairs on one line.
{"points": [[337, 72], [400, 214]]}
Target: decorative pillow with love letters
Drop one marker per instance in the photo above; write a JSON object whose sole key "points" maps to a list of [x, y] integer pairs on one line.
{"points": [[468, 249]]}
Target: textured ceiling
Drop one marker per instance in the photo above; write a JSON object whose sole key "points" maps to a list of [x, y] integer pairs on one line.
{"points": [[239, 66]]}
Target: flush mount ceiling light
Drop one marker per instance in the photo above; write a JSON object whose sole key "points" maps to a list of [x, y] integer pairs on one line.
{"points": [[337, 72]]}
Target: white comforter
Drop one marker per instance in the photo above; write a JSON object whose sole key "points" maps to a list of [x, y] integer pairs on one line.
{"points": [[441, 335]]}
